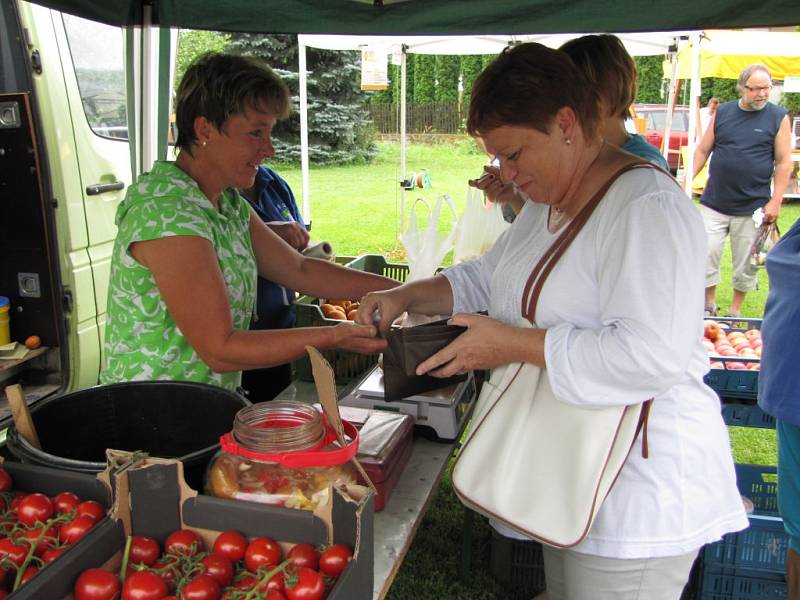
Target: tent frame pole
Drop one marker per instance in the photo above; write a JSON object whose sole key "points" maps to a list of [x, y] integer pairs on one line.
{"points": [[303, 81]]}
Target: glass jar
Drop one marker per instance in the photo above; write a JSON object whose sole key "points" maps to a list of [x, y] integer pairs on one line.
{"points": [[282, 453]]}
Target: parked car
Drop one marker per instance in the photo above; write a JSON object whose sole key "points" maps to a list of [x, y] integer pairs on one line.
{"points": [[656, 115]]}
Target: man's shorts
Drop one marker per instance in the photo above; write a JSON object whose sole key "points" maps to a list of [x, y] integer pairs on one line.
{"points": [[742, 231]]}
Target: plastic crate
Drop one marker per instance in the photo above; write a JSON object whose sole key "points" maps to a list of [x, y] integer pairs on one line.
{"points": [[518, 565], [735, 383], [746, 415], [750, 563], [347, 366]]}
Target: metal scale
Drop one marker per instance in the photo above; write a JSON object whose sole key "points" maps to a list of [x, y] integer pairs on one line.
{"points": [[444, 411]]}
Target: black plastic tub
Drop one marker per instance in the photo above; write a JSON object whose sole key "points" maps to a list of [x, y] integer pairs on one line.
{"points": [[167, 419]]}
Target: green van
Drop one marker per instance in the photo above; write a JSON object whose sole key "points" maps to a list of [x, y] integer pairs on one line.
{"points": [[64, 167]]}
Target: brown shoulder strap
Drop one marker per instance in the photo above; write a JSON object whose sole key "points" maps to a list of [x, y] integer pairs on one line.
{"points": [[533, 287]]}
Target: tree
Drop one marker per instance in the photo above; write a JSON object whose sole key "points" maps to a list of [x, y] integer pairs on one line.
{"points": [[424, 79], [650, 79], [192, 44], [471, 67], [447, 76], [338, 122]]}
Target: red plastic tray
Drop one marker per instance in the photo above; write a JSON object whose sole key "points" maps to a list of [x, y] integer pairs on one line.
{"points": [[384, 446]]}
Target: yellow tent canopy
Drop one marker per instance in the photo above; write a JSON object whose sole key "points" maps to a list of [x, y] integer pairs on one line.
{"points": [[725, 53]]}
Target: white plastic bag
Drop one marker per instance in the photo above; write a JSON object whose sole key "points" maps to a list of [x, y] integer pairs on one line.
{"points": [[478, 227], [426, 248]]}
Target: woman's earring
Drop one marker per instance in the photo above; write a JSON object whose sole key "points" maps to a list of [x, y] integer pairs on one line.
{"points": [[205, 142], [568, 141]]}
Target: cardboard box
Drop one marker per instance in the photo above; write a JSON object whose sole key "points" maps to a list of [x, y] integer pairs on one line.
{"points": [[151, 498], [56, 580]]}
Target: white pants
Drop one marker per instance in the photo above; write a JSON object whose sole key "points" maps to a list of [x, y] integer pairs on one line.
{"points": [[574, 576], [743, 232]]}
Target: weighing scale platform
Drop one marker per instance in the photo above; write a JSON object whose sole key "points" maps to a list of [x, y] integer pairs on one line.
{"points": [[444, 412]]}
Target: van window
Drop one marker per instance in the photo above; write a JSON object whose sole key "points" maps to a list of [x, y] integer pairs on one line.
{"points": [[97, 53]]}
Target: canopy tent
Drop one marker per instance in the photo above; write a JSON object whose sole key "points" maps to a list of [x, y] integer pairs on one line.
{"points": [[725, 54], [443, 17], [637, 44], [374, 17]]}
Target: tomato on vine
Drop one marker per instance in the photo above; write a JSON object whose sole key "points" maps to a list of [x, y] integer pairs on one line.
{"points": [[97, 584]]}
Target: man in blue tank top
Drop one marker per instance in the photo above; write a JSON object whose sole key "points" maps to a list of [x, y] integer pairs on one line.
{"points": [[750, 167]]}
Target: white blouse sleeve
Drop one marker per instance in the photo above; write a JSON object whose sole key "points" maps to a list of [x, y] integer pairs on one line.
{"points": [[471, 280], [650, 261]]}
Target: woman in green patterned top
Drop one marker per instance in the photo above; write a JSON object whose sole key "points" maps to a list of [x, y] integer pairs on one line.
{"points": [[189, 247]]}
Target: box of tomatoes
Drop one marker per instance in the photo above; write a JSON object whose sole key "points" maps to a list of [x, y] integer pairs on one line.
{"points": [[327, 553], [41, 561]]}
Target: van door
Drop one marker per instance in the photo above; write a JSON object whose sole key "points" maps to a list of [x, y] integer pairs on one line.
{"points": [[67, 73]]}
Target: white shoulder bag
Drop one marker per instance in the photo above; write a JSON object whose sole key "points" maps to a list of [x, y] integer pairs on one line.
{"points": [[539, 465]]}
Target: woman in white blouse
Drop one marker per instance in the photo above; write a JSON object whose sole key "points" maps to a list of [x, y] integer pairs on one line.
{"points": [[619, 320]]}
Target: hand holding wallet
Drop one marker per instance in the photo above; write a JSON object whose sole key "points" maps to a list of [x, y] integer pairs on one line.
{"points": [[407, 348]]}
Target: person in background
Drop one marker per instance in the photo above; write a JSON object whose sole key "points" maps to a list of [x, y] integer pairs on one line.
{"points": [[707, 115], [611, 72], [609, 68], [188, 249], [778, 385], [273, 201], [751, 145], [616, 323]]}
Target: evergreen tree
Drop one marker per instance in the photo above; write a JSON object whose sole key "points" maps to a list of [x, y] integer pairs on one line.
{"points": [[447, 76], [424, 79], [338, 121], [650, 79], [471, 67]]}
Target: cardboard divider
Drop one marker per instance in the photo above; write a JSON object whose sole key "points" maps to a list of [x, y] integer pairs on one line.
{"points": [[152, 498]]}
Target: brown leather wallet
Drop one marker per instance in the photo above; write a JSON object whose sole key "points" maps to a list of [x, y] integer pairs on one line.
{"points": [[407, 348]]}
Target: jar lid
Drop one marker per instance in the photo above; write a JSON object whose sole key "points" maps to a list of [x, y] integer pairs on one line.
{"points": [[299, 459], [3, 301]]}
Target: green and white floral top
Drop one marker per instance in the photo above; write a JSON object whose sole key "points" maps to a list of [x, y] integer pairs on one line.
{"points": [[142, 341]]}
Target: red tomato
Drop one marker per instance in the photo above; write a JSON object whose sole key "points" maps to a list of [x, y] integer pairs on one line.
{"points": [[304, 555], [32, 535], [28, 574], [168, 569], [276, 583], [74, 530], [51, 554], [231, 544], [303, 583], [334, 559], [66, 502], [15, 552], [144, 585], [183, 541], [274, 595], [91, 508], [144, 550], [202, 587], [3, 595], [96, 584], [34, 508], [5, 480], [262, 552], [219, 568]]}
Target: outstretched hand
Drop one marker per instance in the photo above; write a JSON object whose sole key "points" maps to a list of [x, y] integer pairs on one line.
{"points": [[481, 346]]}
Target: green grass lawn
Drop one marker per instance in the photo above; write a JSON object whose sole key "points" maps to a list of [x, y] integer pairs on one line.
{"points": [[357, 208]]}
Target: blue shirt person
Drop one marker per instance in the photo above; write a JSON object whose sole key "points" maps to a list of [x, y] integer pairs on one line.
{"points": [[273, 200]]}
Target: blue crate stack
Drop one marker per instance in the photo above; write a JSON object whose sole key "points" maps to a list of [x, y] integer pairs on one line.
{"points": [[750, 564]]}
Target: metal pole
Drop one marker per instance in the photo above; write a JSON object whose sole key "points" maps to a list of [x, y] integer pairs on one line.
{"points": [[402, 137], [301, 51], [694, 95]]}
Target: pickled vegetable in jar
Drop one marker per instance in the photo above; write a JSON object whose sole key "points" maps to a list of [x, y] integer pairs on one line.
{"points": [[282, 453]]}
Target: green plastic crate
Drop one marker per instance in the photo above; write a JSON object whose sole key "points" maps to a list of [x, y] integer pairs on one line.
{"points": [[347, 366]]}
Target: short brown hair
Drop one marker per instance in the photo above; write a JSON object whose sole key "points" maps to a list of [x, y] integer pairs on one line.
{"points": [[217, 86], [608, 67], [526, 85]]}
